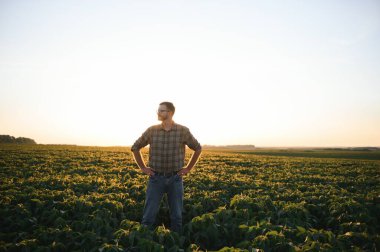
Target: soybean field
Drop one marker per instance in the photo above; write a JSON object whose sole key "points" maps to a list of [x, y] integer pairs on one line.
{"points": [[76, 198]]}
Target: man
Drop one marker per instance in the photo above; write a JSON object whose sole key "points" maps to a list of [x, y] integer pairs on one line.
{"points": [[167, 142]]}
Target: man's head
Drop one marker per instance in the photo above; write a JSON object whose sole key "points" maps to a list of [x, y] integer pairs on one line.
{"points": [[165, 111]]}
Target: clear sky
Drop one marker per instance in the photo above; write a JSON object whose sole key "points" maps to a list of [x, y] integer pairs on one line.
{"points": [[269, 73]]}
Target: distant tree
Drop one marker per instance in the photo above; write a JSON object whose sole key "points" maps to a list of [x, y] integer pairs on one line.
{"points": [[7, 139], [24, 140]]}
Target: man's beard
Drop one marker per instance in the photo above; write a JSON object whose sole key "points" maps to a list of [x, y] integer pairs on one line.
{"points": [[161, 118]]}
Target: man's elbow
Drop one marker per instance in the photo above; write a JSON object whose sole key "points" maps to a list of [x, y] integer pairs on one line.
{"points": [[135, 150], [199, 150]]}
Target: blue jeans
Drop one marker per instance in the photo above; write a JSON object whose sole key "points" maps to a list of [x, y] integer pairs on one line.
{"points": [[157, 186]]}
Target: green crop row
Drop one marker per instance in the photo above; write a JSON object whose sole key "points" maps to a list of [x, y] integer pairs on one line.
{"points": [[66, 198]]}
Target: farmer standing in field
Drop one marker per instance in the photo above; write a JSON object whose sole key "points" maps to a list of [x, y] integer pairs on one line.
{"points": [[166, 165]]}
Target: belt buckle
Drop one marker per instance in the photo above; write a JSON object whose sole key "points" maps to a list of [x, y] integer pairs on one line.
{"points": [[169, 174], [166, 174]]}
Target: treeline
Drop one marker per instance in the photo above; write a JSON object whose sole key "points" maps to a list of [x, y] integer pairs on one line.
{"points": [[7, 139]]}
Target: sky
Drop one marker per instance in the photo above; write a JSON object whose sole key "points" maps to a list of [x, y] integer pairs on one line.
{"points": [[268, 73]]}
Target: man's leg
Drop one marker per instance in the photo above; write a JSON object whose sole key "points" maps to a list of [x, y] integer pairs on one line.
{"points": [[175, 198], [154, 193]]}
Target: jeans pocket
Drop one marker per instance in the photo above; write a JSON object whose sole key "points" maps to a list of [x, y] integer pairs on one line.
{"points": [[153, 179], [177, 178]]}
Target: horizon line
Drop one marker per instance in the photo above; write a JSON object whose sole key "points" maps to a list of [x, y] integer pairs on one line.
{"points": [[236, 145]]}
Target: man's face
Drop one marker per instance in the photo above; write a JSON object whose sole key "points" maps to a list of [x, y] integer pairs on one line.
{"points": [[163, 113]]}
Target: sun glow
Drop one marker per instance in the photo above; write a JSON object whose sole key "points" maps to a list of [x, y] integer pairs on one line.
{"points": [[260, 77]]}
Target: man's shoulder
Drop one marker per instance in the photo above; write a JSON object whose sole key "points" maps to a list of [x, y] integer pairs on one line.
{"points": [[158, 127], [181, 127], [154, 127]]}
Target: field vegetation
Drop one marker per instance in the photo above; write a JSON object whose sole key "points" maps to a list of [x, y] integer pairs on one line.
{"points": [[66, 198]]}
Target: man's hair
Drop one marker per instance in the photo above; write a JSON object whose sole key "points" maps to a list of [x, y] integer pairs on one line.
{"points": [[169, 106]]}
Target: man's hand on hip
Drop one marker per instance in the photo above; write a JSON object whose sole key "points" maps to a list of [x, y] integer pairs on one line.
{"points": [[148, 171], [184, 171]]}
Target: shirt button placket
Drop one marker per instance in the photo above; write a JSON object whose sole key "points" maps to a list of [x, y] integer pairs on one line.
{"points": [[165, 150]]}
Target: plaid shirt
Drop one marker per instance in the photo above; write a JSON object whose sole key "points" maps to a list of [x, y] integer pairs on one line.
{"points": [[167, 148]]}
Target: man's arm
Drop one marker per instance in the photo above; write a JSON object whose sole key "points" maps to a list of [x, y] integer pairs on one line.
{"points": [[140, 162], [193, 160]]}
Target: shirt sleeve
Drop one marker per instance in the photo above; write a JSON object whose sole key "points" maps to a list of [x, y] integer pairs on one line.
{"points": [[191, 142], [143, 141]]}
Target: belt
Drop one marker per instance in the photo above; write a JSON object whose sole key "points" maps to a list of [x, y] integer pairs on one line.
{"points": [[166, 174]]}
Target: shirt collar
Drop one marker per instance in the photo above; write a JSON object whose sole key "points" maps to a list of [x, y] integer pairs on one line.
{"points": [[174, 126]]}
